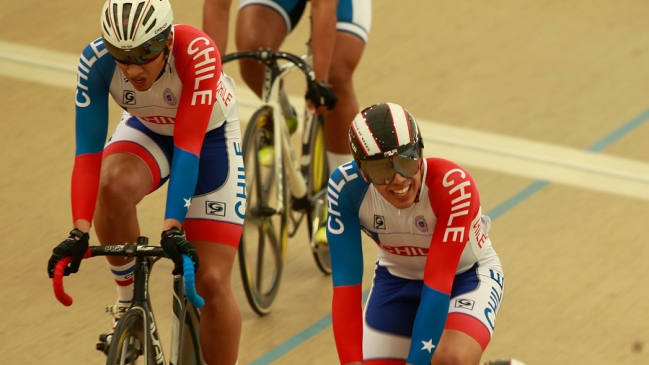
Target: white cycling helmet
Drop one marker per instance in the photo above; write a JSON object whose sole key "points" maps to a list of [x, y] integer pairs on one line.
{"points": [[136, 30]]}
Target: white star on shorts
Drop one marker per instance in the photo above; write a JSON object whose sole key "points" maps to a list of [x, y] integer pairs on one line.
{"points": [[428, 345], [188, 202]]}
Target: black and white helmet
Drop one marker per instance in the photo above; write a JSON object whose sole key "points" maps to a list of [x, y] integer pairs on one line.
{"points": [[384, 130]]}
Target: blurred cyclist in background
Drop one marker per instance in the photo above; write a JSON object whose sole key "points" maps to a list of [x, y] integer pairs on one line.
{"points": [[438, 283], [180, 123], [339, 31]]}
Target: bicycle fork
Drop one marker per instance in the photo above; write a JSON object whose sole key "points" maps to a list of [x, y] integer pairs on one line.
{"points": [[142, 303]]}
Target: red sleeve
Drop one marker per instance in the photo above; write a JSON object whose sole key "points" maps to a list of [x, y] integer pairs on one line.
{"points": [[198, 64], [85, 185], [347, 318], [455, 200]]}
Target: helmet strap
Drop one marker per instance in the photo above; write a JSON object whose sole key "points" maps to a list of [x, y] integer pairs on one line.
{"points": [[164, 68]]}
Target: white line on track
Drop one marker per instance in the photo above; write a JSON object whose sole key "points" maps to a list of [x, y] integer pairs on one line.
{"points": [[535, 160]]}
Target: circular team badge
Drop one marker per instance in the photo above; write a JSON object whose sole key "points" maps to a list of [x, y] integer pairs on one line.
{"points": [[421, 224], [169, 96]]}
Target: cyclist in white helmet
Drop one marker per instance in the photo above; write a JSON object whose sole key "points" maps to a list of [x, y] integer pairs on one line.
{"points": [[179, 124], [438, 282]]}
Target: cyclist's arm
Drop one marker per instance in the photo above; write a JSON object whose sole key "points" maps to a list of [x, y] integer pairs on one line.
{"points": [[198, 64], [344, 236], [455, 200], [216, 19], [94, 71], [323, 36]]}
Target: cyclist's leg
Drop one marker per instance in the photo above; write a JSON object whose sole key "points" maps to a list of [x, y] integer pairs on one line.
{"points": [[133, 165], [475, 301], [354, 21], [388, 318], [126, 177], [263, 24], [214, 224]]}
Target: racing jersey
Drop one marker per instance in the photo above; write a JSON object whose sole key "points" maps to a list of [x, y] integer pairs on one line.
{"points": [[190, 97], [434, 239]]}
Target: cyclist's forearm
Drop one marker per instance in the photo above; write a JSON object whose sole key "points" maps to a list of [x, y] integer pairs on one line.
{"points": [[82, 225], [216, 17], [323, 36], [170, 223]]}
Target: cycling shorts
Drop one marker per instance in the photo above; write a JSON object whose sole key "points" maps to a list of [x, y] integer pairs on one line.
{"points": [[219, 203], [354, 16], [392, 305]]}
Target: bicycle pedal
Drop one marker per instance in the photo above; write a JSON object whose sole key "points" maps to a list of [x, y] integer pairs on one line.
{"points": [[104, 337], [104, 342]]}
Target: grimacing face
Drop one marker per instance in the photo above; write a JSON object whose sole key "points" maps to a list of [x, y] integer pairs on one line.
{"points": [[143, 76]]}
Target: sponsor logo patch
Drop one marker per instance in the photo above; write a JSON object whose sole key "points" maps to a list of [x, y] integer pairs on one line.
{"points": [[379, 222], [215, 208], [464, 303]]}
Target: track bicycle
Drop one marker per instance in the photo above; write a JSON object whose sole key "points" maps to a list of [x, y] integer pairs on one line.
{"points": [[136, 339], [272, 214]]}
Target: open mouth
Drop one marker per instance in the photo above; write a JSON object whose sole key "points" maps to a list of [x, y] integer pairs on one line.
{"points": [[401, 193]]}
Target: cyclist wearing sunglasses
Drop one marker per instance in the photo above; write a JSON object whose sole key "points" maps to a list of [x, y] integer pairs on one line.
{"points": [[438, 283], [179, 124]]}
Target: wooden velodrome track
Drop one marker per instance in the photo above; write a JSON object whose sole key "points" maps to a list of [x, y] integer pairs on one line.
{"points": [[545, 102]]}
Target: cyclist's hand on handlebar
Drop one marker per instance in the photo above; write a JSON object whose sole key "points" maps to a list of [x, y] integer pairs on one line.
{"points": [[174, 243], [76, 246], [320, 94]]}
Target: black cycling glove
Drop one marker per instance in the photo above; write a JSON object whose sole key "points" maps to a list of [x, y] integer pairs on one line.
{"points": [[320, 93], [174, 243], [70, 247]]}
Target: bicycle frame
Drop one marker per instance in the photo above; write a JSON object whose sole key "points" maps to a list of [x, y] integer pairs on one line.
{"points": [[184, 309], [270, 201], [270, 96]]}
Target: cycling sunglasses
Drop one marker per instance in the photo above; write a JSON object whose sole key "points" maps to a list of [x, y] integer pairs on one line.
{"points": [[143, 54], [383, 171]]}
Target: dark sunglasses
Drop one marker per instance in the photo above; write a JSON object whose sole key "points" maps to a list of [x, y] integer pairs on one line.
{"points": [[143, 54], [383, 171]]}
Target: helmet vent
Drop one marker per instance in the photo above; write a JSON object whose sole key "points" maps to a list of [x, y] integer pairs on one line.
{"points": [[116, 24], [138, 12], [107, 15], [148, 15], [151, 26], [126, 14]]}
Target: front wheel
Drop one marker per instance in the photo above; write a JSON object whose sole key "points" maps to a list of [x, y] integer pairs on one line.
{"points": [[265, 227], [318, 179], [127, 344]]}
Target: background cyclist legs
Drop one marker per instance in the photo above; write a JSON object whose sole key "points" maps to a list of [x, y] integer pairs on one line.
{"points": [[125, 180], [261, 26]]}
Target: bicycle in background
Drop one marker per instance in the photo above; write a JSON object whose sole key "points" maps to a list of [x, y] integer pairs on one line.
{"points": [[136, 339], [272, 214]]}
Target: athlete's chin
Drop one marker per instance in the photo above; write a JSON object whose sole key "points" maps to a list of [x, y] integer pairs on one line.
{"points": [[142, 88], [140, 85], [401, 202]]}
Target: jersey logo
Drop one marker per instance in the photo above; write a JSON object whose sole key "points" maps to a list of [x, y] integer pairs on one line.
{"points": [[170, 98], [215, 208], [379, 222], [421, 224], [404, 250], [129, 97], [464, 303]]}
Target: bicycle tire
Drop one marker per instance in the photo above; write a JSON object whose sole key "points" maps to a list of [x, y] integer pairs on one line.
{"points": [[190, 346], [124, 347], [317, 183], [265, 227]]}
